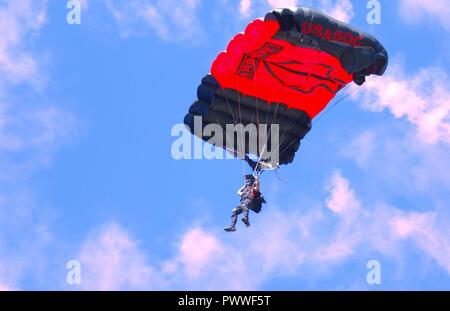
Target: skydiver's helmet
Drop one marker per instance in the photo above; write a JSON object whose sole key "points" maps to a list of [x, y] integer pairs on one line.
{"points": [[249, 179]]}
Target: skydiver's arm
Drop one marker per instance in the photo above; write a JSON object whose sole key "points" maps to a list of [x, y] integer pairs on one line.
{"points": [[256, 186], [268, 166], [241, 191], [250, 162]]}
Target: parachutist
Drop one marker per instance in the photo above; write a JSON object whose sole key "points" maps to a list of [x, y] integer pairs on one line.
{"points": [[285, 69], [251, 199]]}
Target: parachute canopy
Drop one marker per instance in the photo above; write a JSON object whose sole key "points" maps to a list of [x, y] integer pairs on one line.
{"points": [[284, 70]]}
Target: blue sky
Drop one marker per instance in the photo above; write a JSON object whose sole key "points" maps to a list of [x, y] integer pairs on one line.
{"points": [[86, 171]]}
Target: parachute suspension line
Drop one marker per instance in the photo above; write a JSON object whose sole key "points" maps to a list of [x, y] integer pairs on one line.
{"points": [[257, 125], [257, 129], [235, 152], [259, 160], [278, 176], [344, 96], [242, 140], [257, 171], [345, 93], [231, 111], [283, 139], [289, 145], [334, 104]]}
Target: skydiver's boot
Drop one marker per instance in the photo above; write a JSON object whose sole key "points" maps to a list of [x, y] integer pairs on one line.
{"points": [[232, 227], [246, 221]]}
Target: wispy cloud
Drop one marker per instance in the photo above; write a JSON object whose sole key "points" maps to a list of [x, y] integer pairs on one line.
{"points": [[4, 288], [282, 3], [200, 253], [392, 155], [177, 21], [340, 9], [413, 11], [19, 20], [8, 278], [30, 131], [421, 228], [361, 147], [25, 238], [422, 98], [342, 199], [171, 20], [286, 243], [244, 8], [195, 257], [29, 138], [112, 260], [381, 227], [85, 4]]}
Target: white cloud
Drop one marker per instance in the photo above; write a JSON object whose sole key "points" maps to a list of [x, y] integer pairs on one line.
{"points": [[340, 9], [409, 225], [361, 147], [28, 138], [202, 262], [422, 98], [282, 3], [421, 229], [4, 288], [382, 228], [176, 21], [342, 199], [18, 21], [171, 20], [279, 244], [397, 161], [84, 4], [195, 256], [112, 261], [9, 274], [30, 130], [413, 11], [245, 6], [24, 238]]}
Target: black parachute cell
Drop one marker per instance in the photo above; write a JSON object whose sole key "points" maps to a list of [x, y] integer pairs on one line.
{"points": [[225, 106]]}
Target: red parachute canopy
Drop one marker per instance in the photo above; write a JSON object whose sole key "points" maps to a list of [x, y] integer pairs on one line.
{"points": [[284, 69]]}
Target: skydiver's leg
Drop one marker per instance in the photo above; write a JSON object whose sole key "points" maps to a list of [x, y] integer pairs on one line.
{"points": [[234, 214], [246, 211]]}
